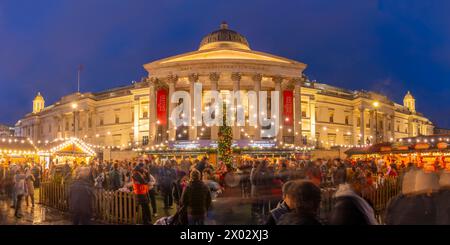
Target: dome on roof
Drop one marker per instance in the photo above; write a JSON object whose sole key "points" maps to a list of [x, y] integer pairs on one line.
{"points": [[224, 38], [39, 96], [409, 96]]}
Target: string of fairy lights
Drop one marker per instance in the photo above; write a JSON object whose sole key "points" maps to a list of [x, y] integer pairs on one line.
{"points": [[13, 142], [65, 142]]}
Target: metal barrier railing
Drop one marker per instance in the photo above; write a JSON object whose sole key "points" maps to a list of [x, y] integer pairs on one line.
{"points": [[111, 207]]}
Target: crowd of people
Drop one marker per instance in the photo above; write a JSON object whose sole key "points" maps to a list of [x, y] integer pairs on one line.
{"points": [[18, 181], [292, 186], [187, 186]]}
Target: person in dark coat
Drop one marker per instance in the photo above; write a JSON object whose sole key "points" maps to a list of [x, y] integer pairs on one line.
{"points": [[340, 176], [443, 200], [416, 205], [115, 178], [167, 178], [81, 196], [178, 187], [283, 207], [200, 166], [351, 209], [196, 198], [306, 198]]}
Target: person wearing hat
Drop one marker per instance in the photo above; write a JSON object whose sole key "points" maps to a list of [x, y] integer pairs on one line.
{"points": [[416, 204], [140, 180]]}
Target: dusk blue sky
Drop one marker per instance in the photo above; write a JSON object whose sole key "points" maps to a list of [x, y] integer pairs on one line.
{"points": [[386, 46]]}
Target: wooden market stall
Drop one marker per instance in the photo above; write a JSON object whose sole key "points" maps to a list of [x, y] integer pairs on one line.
{"points": [[427, 152], [70, 150], [17, 150]]}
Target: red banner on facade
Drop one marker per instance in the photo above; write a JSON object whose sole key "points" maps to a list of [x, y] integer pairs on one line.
{"points": [[161, 106], [288, 107]]}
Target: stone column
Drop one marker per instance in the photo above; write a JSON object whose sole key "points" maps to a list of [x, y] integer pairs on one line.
{"points": [[355, 126], [153, 125], [392, 119], [214, 79], [193, 78], [136, 110], [172, 81], [257, 86], [278, 80], [312, 116], [363, 125], [236, 78], [385, 132], [297, 120]]}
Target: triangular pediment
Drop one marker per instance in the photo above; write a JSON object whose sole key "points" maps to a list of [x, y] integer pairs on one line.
{"points": [[224, 54]]}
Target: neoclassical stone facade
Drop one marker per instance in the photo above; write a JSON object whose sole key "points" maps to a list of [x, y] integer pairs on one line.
{"points": [[323, 115]]}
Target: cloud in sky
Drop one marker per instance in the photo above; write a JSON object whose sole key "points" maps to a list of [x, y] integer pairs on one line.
{"points": [[386, 46]]}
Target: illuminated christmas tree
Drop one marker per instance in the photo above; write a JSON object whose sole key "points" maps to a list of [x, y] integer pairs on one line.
{"points": [[225, 135]]}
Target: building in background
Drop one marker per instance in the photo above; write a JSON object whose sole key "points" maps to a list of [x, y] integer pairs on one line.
{"points": [[6, 130], [441, 131], [320, 115]]}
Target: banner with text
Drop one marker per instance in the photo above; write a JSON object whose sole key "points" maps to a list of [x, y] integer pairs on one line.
{"points": [[161, 106], [288, 107]]}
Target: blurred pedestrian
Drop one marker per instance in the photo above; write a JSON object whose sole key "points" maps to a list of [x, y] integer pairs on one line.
{"points": [[196, 198], [81, 197], [140, 187], [20, 190], [29, 179], [284, 207], [350, 208], [306, 198]]}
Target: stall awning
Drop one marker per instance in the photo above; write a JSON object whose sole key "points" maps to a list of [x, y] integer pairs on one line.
{"points": [[67, 147]]}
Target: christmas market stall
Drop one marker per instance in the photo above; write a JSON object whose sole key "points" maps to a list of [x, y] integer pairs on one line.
{"points": [[70, 150], [241, 150], [17, 150], [430, 152]]}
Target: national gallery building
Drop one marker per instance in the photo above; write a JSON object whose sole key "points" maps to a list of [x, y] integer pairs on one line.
{"points": [[312, 114]]}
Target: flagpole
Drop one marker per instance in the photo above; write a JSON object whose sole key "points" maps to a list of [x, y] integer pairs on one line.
{"points": [[78, 79]]}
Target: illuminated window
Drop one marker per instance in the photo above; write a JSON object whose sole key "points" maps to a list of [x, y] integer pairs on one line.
{"points": [[347, 120], [144, 140]]}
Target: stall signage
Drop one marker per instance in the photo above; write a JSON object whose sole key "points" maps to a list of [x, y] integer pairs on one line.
{"points": [[385, 148], [262, 143], [442, 145], [188, 144], [402, 148], [192, 144], [422, 146]]}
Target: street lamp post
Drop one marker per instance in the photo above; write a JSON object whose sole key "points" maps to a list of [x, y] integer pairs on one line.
{"points": [[376, 104]]}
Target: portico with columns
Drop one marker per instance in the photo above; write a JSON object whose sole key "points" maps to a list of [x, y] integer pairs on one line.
{"points": [[225, 62]]}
